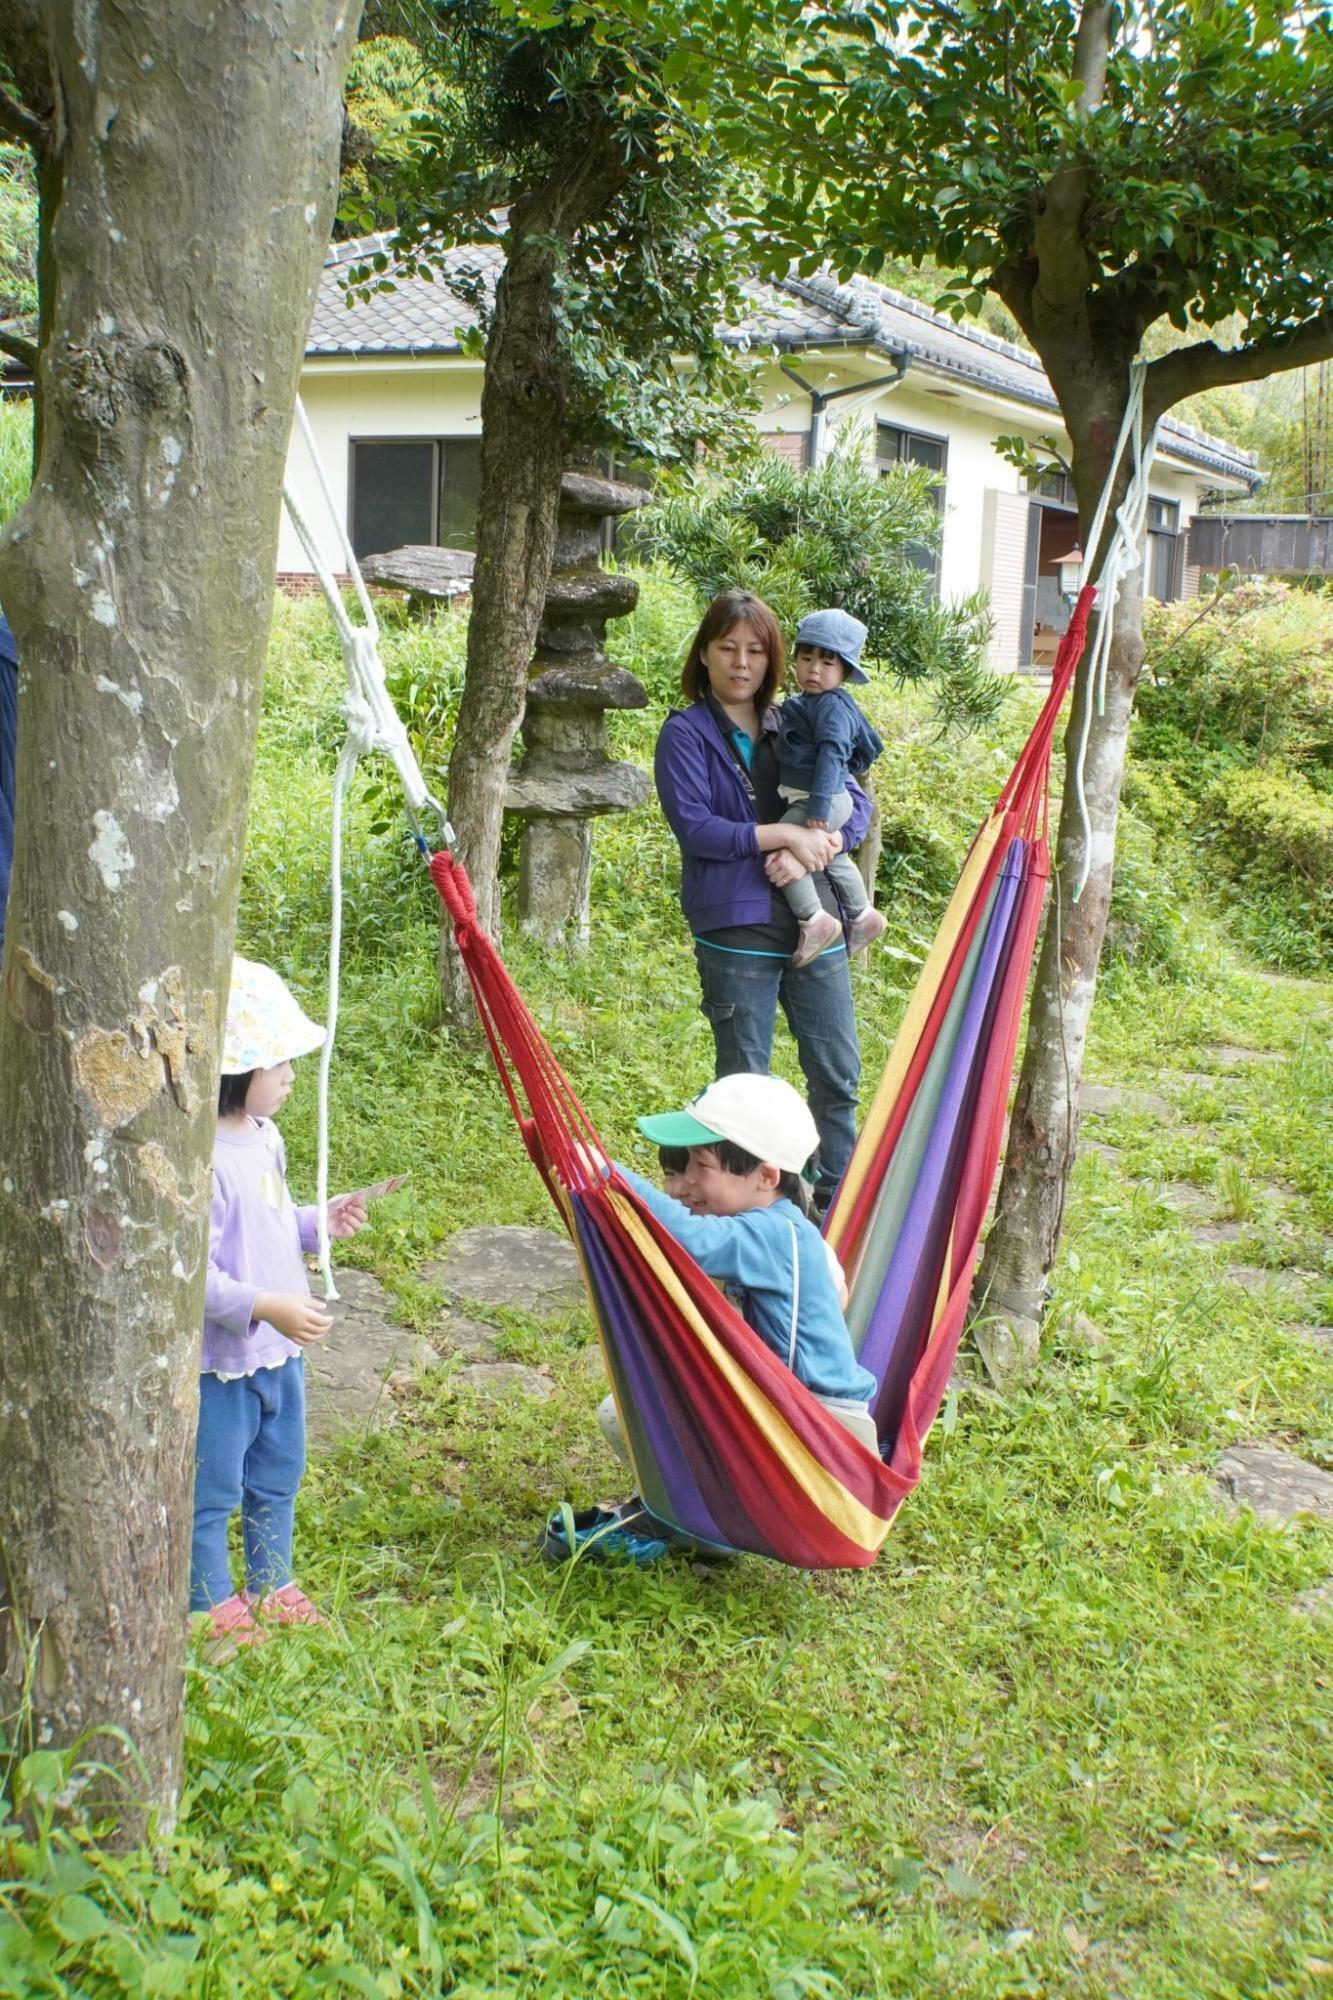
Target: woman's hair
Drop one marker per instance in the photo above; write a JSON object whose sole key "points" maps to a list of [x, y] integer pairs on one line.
{"points": [[734, 1159], [232, 1091], [724, 614]]}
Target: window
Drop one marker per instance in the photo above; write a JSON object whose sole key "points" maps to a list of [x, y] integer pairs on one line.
{"points": [[896, 446], [414, 491], [1054, 485], [1162, 577]]}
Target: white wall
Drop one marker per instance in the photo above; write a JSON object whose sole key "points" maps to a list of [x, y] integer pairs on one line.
{"points": [[370, 398], [441, 397]]}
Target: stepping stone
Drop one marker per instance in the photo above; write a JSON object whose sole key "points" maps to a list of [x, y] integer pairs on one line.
{"points": [[533, 1269], [1087, 1332], [1321, 1335], [1285, 1287], [1232, 1056], [1101, 1149], [498, 1381], [1207, 1234], [349, 1373], [1185, 1197], [1276, 1484], [1198, 1079], [457, 1334], [1099, 1100], [1317, 1602]]}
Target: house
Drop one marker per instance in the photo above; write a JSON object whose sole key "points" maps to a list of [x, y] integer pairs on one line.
{"points": [[394, 403]]}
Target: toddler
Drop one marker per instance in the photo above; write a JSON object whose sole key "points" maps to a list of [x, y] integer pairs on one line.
{"points": [[258, 1315], [822, 735]]}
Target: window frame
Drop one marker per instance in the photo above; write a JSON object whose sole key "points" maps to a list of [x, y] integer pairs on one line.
{"points": [[906, 434], [438, 441]]}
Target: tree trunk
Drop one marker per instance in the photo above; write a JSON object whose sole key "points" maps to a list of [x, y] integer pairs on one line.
{"points": [[523, 405], [186, 203], [1043, 1129], [522, 459]]}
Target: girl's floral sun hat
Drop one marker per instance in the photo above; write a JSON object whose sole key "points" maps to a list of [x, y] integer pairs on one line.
{"points": [[265, 1025]]}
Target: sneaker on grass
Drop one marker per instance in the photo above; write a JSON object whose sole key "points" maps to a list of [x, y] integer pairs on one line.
{"points": [[625, 1534]]}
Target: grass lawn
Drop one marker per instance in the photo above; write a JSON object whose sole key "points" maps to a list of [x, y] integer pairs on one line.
{"points": [[1068, 1737]]}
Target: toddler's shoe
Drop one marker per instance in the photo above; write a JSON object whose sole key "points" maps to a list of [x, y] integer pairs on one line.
{"points": [[817, 934], [288, 1606], [864, 930], [605, 1534], [229, 1625]]}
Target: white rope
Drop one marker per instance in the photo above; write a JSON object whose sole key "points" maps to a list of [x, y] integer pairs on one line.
{"points": [[373, 724], [1123, 555]]}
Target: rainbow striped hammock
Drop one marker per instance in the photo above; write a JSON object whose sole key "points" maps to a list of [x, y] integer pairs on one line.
{"points": [[726, 1443]]}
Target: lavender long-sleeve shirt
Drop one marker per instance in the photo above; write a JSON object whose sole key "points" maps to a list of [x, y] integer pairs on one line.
{"points": [[256, 1240]]}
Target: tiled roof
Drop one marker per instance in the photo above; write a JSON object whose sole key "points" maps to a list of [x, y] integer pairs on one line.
{"points": [[419, 317]]}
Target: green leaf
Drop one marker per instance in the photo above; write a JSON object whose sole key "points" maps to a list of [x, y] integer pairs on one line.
{"points": [[164, 1906], [41, 1776], [78, 1918]]}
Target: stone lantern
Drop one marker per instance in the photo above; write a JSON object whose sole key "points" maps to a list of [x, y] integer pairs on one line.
{"points": [[565, 778]]}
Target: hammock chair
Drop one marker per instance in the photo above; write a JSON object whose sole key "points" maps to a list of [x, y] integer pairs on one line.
{"points": [[727, 1446]]}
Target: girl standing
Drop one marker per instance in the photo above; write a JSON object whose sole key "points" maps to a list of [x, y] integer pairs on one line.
{"points": [[258, 1316]]}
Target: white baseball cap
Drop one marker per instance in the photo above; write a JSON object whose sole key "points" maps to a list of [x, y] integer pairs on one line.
{"points": [[265, 1024], [761, 1114]]}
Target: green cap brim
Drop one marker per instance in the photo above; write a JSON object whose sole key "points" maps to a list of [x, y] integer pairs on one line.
{"points": [[677, 1128]]}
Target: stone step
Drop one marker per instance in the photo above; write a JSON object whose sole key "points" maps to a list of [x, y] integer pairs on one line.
{"points": [[1276, 1484], [533, 1270]]}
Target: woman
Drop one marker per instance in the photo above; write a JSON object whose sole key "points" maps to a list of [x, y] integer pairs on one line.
{"points": [[717, 780]]}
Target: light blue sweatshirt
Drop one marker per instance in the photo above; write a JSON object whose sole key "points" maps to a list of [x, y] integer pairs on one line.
{"points": [[751, 1255]]}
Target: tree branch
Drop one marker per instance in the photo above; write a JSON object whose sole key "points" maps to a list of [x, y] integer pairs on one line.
{"points": [[1092, 50], [1207, 366], [22, 124], [1014, 284], [21, 349], [1060, 247]]}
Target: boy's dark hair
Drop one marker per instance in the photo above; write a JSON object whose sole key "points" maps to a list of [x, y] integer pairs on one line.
{"points": [[734, 1159], [232, 1092]]}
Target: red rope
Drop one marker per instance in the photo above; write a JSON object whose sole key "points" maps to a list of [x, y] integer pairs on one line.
{"points": [[551, 1118], [1025, 787]]}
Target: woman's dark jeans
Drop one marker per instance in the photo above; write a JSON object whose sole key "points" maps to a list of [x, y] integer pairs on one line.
{"points": [[741, 993]]}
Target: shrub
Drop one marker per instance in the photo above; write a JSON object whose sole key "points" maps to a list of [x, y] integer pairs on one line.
{"points": [[1232, 764], [1275, 831], [285, 899], [840, 535], [1252, 680]]}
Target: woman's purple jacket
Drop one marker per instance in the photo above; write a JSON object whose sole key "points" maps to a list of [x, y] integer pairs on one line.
{"points": [[722, 879]]}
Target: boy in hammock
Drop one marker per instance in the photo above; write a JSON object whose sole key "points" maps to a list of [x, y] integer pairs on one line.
{"points": [[741, 1217]]}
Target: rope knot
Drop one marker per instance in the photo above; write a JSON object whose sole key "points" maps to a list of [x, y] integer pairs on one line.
{"points": [[455, 891]]}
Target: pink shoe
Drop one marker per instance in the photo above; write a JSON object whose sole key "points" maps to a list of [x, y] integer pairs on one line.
{"points": [[232, 1624], [289, 1606], [817, 934], [864, 930]]}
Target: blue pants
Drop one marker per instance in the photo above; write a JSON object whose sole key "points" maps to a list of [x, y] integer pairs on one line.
{"points": [[251, 1455], [741, 992]]}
